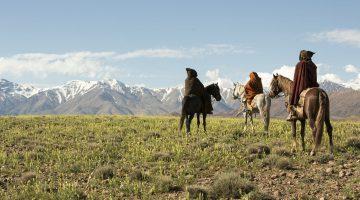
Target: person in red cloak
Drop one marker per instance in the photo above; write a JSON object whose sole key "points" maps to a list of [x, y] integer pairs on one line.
{"points": [[252, 88], [305, 76]]}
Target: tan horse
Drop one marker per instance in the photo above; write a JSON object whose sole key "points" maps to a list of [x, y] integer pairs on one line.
{"points": [[316, 109]]}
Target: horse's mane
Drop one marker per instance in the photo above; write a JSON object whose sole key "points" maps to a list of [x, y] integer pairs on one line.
{"points": [[285, 82]]}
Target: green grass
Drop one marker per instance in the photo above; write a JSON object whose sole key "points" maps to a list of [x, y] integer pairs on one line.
{"points": [[127, 157]]}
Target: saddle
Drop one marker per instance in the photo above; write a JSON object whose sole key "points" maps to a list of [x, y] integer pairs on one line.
{"points": [[252, 105], [299, 108]]}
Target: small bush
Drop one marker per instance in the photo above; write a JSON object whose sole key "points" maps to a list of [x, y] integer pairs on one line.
{"points": [[323, 159], [259, 149], [284, 163], [151, 135], [353, 142], [231, 185], [256, 195], [166, 184], [75, 168], [197, 192], [27, 177], [164, 156], [139, 176], [283, 152], [104, 172], [276, 161], [270, 161]]}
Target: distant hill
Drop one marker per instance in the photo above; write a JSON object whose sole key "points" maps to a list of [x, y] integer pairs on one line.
{"points": [[114, 97]]}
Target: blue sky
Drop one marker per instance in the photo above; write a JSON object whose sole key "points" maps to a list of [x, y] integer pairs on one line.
{"points": [[151, 42]]}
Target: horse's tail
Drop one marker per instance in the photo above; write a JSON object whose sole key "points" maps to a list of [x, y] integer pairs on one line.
{"points": [[183, 112], [320, 117]]}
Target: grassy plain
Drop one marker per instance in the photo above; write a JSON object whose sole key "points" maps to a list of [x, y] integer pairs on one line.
{"points": [[130, 157]]}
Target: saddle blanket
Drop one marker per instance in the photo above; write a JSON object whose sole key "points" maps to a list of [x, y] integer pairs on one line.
{"points": [[300, 106]]}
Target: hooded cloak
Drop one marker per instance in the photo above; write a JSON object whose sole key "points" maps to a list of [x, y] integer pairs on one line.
{"points": [[192, 84], [304, 77], [253, 87]]}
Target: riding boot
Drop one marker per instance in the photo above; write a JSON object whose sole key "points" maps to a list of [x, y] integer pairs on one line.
{"points": [[292, 113]]}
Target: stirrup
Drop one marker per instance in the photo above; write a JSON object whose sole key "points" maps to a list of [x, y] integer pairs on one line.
{"points": [[291, 117]]}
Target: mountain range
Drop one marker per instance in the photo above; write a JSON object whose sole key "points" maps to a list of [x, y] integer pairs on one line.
{"points": [[115, 97]]}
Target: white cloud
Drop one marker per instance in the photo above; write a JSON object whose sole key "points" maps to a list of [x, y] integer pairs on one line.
{"points": [[341, 36], [207, 50], [351, 69], [214, 76], [99, 64], [152, 53], [354, 83], [331, 77], [85, 64], [285, 70]]}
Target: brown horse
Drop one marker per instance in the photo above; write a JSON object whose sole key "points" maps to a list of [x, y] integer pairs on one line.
{"points": [[316, 109]]}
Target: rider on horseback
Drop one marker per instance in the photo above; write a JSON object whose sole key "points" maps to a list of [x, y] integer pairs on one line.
{"points": [[193, 86], [304, 77], [252, 88]]}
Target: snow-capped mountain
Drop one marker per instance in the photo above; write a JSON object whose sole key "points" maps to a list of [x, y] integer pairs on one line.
{"points": [[115, 97], [10, 88], [331, 87]]}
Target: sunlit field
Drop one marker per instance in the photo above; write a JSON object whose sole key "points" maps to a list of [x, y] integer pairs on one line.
{"points": [[127, 157]]}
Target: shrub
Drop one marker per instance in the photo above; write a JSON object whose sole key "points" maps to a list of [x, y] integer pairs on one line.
{"points": [[353, 142], [104, 172], [197, 192], [164, 156], [259, 149], [231, 185], [166, 184], [27, 177], [256, 195], [283, 152], [139, 175]]}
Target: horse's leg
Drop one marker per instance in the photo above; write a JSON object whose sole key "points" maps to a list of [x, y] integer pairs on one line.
{"points": [[198, 120], [190, 118], [187, 122], [303, 134], [293, 131], [246, 119], [329, 128], [313, 131], [264, 119], [181, 122], [252, 122], [204, 121]]}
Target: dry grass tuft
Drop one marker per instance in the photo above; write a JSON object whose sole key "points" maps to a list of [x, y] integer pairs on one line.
{"points": [[104, 172], [231, 185], [197, 192], [353, 142], [27, 177], [165, 184]]}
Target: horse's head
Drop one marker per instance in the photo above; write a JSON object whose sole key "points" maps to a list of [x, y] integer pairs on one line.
{"points": [[214, 91], [239, 91], [275, 88]]}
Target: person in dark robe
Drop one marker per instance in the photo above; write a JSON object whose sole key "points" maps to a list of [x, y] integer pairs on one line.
{"points": [[252, 88], [305, 76], [193, 86]]}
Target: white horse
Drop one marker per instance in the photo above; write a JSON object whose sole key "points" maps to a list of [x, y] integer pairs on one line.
{"points": [[261, 104]]}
